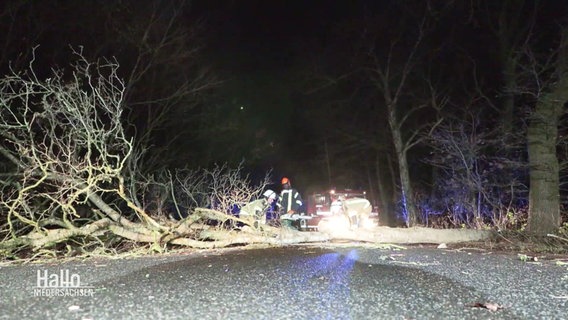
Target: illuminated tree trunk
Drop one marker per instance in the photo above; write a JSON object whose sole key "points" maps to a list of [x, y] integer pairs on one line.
{"points": [[544, 192], [407, 195], [544, 197]]}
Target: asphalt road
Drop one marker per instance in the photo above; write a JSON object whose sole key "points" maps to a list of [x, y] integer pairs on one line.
{"points": [[296, 282]]}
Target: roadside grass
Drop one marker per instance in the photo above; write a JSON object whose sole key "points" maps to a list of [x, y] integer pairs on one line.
{"points": [[522, 242]]}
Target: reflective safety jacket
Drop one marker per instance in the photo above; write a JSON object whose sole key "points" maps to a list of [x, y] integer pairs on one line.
{"points": [[290, 201], [357, 207], [255, 210]]}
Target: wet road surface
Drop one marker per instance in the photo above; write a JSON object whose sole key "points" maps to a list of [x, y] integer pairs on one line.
{"points": [[296, 282]]}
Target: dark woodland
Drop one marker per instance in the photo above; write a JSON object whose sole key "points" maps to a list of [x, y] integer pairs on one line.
{"points": [[118, 114]]}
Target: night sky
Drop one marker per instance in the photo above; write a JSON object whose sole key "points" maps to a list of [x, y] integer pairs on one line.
{"points": [[284, 102], [265, 50]]}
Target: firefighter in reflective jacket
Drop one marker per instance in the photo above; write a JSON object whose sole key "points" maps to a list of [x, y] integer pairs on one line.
{"points": [[290, 200], [255, 211]]}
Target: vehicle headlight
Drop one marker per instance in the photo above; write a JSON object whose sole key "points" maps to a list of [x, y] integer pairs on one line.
{"points": [[369, 223], [338, 223]]}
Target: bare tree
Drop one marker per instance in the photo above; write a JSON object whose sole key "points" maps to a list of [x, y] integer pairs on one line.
{"points": [[474, 184], [66, 142], [167, 77], [166, 81], [391, 78], [68, 149], [390, 95], [538, 80], [512, 23]]}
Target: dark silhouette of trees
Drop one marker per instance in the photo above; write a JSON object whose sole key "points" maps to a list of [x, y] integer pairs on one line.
{"points": [[452, 109], [387, 75], [391, 72]]}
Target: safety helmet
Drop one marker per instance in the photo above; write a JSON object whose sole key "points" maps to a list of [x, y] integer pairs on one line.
{"points": [[269, 194], [285, 180]]}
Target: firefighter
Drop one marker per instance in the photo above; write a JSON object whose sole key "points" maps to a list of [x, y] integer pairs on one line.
{"points": [[358, 210], [255, 211], [337, 207], [289, 202]]}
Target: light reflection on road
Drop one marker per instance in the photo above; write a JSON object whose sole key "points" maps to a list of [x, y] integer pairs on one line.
{"points": [[331, 273]]}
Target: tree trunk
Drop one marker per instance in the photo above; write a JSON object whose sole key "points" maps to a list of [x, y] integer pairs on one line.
{"points": [[387, 216], [542, 134], [407, 195], [328, 165], [510, 82], [511, 29], [544, 197]]}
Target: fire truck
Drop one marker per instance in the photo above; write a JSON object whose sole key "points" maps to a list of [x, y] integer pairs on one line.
{"points": [[320, 207]]}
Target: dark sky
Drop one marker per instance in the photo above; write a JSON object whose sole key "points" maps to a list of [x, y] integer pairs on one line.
{"points": [[267, 28], [262, 46], [259, 47], [265, 52], [299, 93]]}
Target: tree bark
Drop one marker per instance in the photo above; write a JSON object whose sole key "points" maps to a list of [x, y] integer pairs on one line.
{"points": [[387, 216], [510, 82], [544, 192], [511, 30], [542, 136], [407, 196]]}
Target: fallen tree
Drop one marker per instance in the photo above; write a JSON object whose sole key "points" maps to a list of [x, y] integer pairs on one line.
{"points": [[412, 235], [67, 175], [70, 175]]}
